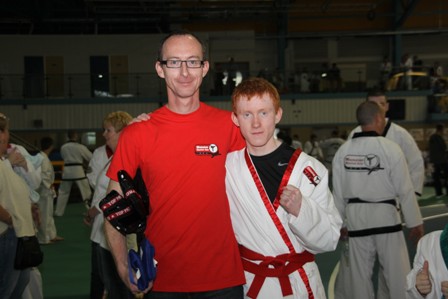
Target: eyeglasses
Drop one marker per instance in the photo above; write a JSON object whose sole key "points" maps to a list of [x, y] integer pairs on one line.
{"points": [[177, 63]]}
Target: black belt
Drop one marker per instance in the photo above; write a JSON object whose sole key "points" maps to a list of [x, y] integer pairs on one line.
{"points": [[375, 231], [73, 164], [74, 179], [387, 201]]}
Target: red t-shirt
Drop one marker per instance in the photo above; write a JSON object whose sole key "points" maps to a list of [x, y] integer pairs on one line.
{"points": [[182, 158]]}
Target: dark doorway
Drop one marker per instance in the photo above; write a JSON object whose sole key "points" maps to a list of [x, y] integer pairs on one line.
{"points": [[99, 76], [34, 80]]}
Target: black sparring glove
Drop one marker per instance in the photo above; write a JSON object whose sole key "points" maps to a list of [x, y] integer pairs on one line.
{"points": [[127, 214]]}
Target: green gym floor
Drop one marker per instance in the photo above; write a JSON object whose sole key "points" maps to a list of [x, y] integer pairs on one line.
{"points": [[66, 267]]}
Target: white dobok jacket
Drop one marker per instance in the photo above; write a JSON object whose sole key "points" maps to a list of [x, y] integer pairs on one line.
{"points": [[269, 232]]}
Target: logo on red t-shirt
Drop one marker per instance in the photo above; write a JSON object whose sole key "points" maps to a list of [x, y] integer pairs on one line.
{"points": [[207, 149]]}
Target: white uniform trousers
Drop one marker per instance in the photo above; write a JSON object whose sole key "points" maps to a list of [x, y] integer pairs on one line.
{"points": [[64, 193], [393, 258]]}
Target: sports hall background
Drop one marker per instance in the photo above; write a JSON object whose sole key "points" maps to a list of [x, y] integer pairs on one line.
{"points": [[66, 64]]}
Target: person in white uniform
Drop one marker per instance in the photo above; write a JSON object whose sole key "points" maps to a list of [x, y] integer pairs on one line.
{"points": [[47, 232], [371, 186], [74, 155], [403, 138], [416, 168], [429, 275], [281, 207]]}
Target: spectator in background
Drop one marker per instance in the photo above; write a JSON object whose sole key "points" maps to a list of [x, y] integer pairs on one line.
{"points": [[47, 230], [438, 69], [324, 85], [313, 149], [75, 155], [416, 168], [438, 157], [334, 77], [218, 81], [417, 64], [296, 142], [385, 71], [284, 137], [370, 181], [16, 218], [305, 80], [102, 259], [231, 70], [407, 64], [402, 137], [329, 148]]}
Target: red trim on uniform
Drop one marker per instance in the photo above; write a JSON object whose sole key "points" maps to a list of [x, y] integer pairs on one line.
{"points": [[286, 176], [272, 208], [109, 152]]}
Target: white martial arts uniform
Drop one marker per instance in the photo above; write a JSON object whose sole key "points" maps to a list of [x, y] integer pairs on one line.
{"points": [[410, 150], [269, 232], [99, 159], [74, 155], [47, 229], [32, 174], [373, 169], [329, 148], [429, 249]]}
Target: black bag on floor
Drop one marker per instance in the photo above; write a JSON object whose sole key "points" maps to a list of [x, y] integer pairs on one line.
{"points": [[28, 253]]}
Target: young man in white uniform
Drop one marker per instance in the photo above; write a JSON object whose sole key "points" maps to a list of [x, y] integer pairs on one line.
{"points": [[370, 181], [282, 209], [429, 276]]}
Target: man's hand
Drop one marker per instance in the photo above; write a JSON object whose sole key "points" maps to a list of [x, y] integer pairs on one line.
{"points": [[416, 233], [140, 118], [291, 200], [123, 272], [35, 212], [16, 159], [90, 216], [344, 234], [422, 281]]}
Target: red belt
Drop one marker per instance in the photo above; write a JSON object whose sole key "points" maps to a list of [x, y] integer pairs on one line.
{"points": [[281, 266]]}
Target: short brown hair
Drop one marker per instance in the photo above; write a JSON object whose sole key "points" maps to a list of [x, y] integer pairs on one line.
{"points": [[366, 113]]}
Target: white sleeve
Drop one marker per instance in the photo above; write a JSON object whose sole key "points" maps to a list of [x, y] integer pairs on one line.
{"points": [[405, 191], [96, 164], [318, 224], [415, 161]]}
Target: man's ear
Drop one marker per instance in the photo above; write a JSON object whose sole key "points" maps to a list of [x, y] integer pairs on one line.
{"points": [[205, 68], [235, 119], [278, 115], [159, 69]]}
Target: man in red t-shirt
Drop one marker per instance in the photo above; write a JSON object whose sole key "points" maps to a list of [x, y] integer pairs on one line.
{"points": [[181, 152]]}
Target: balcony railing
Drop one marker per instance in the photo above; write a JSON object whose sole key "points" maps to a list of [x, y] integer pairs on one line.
{"points": [[150, 86]]}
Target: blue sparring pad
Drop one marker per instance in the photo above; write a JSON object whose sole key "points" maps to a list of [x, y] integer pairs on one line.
{"points": [[142, 263]]}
